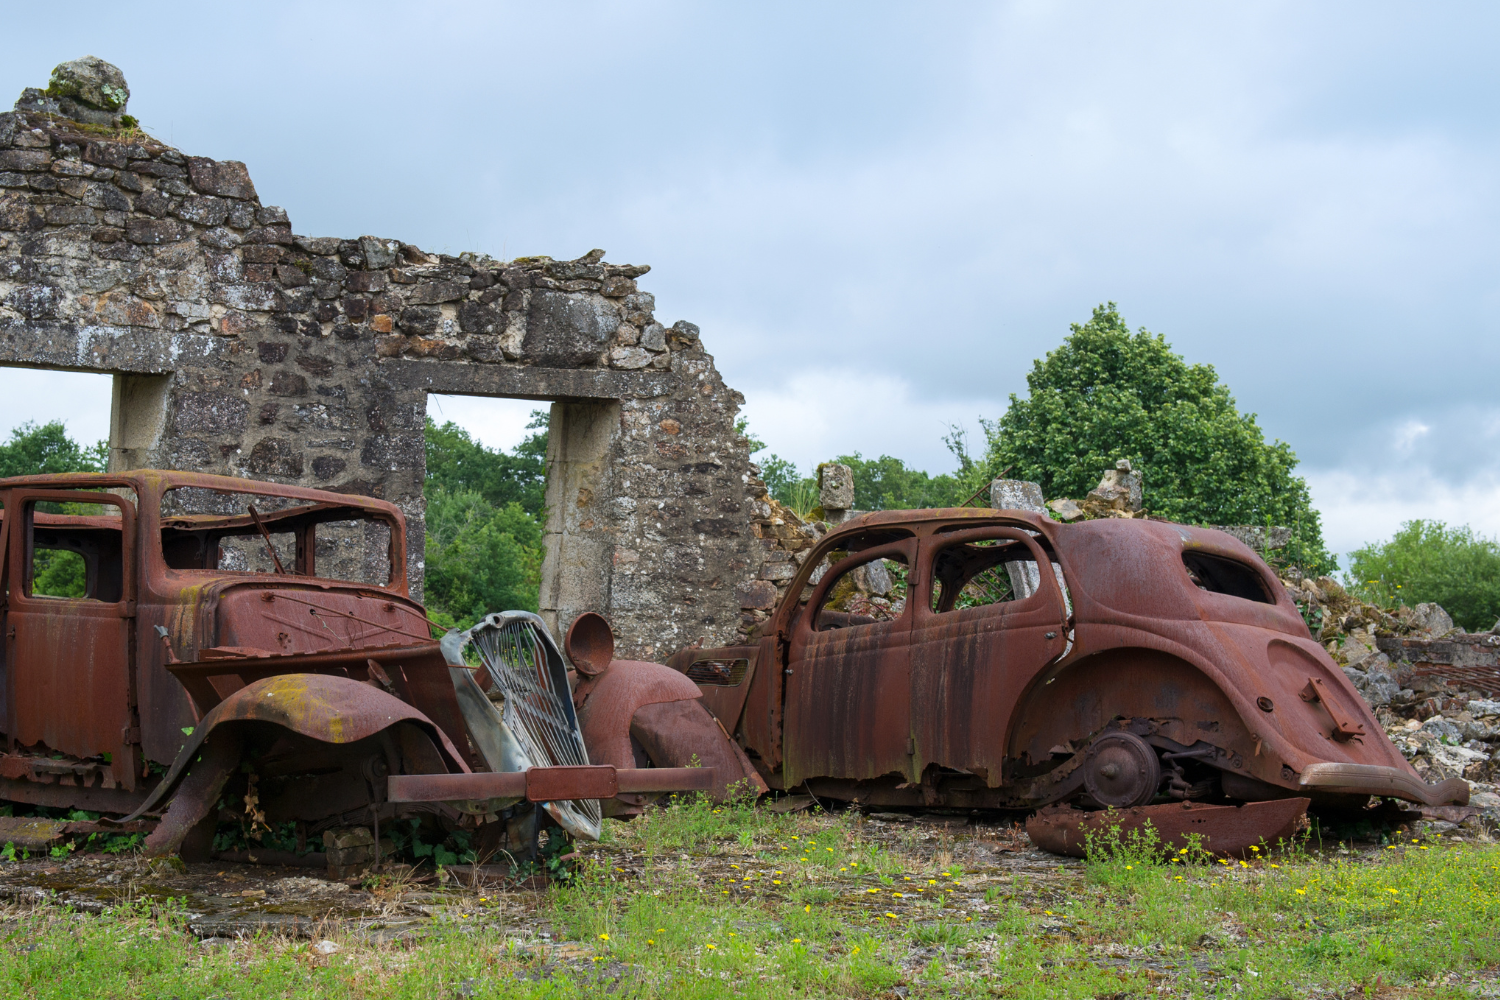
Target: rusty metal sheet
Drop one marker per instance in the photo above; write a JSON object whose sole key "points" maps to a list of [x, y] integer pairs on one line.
{"points": [[969, 666], [848, 700], [547, 784], [1227, 831], [68, 677]]}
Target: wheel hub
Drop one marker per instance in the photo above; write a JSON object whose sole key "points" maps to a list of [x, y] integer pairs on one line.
{"points": [[1122, 770]]}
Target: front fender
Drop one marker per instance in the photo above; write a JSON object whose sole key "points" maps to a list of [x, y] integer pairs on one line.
{"points": [[608, 701], [326, 708]]}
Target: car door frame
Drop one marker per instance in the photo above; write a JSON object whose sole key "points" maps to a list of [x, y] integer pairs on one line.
{"points": [[964, 681], [84, 703], [833, 728]]}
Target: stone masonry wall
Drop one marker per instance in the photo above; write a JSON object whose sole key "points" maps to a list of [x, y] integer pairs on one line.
{"points": [[241, 348]]}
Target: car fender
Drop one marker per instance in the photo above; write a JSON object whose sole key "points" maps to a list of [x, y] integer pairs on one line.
{"points": [[327, 708]]}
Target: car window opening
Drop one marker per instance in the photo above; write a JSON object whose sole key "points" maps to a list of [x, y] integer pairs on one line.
{"points": [[872, 592], [206, 529], [76, 552], [977, 574], [1218, 575]]}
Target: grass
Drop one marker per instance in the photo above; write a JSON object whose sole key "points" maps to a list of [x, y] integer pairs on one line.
{"points": [[704, 901]]}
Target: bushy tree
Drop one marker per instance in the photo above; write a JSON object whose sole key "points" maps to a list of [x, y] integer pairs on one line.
{"points": [[1108, 394], [480, 558], [47, 450], [1429, 561], [457, 463], [887, 483], [485, 510]]}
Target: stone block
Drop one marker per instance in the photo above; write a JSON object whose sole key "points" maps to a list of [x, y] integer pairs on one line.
{"points": [[1016, 494], [205, 211], [91, 80], [567, 330], [378, 254], [757, 595], [654, 337], [629, 357], [154, 232], [421, 319], [481, 319], [275, 457], [433, 292], [25, 160], [835, 486], [210, 412], [288, 384]]}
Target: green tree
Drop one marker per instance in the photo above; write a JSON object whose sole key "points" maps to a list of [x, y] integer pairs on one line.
{"points": [[1429, 561], [47, 450], [480, 558], [886, 483], [1108, 394], [457, 463]]}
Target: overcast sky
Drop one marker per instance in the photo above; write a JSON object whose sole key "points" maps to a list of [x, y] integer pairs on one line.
{"points": [[881, 214]]}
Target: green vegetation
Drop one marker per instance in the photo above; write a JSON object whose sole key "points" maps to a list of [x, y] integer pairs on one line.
{"points": [[1108, 394], [485, 510], [1429, 561], [699, 901]]}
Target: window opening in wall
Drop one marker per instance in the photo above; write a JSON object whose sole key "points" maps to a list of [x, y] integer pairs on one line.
{"points": [[1218, 575], [53, 421]]}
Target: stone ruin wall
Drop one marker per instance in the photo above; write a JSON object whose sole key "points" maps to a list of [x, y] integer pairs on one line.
{"points": [[240, 348]]}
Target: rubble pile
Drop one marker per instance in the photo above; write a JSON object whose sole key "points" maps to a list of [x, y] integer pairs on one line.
{"points": [[1434, 687]]}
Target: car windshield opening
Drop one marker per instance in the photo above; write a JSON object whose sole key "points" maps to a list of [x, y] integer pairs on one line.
{"points": [[280, 536]]}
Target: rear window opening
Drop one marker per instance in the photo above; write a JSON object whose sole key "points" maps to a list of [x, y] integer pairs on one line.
{"points": [[1218, 575]]}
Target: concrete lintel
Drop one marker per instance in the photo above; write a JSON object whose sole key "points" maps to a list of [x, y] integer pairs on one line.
{"points": [[467, 378]]}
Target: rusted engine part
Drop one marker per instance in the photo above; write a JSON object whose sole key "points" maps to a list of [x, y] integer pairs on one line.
{"points": [[635, 714], [1227, 831], [535, 724], [327, 709]]}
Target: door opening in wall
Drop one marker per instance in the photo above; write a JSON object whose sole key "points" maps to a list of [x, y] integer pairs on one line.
{"points": [[485, 488]]}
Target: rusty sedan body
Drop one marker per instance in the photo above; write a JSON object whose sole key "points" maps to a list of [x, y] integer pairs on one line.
{"points": [[228, 628], [1025, 663]]}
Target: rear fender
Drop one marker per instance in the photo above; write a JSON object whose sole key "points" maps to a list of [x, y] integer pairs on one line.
{"points": [[326, 708]]}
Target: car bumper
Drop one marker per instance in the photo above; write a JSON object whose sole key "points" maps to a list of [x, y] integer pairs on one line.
{"points": [[1373, 779]]}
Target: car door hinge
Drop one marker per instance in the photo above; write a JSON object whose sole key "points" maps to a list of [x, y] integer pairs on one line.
{"points": [[911, 746], [130, 735], [129, 609]]}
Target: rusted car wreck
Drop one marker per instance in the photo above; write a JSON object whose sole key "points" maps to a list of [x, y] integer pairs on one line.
{"points": [[227, 636], [1004, 660]]}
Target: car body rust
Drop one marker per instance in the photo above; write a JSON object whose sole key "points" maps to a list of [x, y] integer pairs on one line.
{"points": [[1024, 663]]}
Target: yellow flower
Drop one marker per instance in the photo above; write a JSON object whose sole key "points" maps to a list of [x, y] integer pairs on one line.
{"points": [[1130, 868], [725, 892], [855, 951], [1183, 851], [872, 890], [899, 895], [649, 941], [603, 937], [776, 881], [1393, 892], [734, 866], [795, 838], [711, 947], [1244, 864], [661, 930], [619, 869], [807, 908], [1302, 892], [932, 881], [796, 940], [890, 914], [1275, 866]]}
